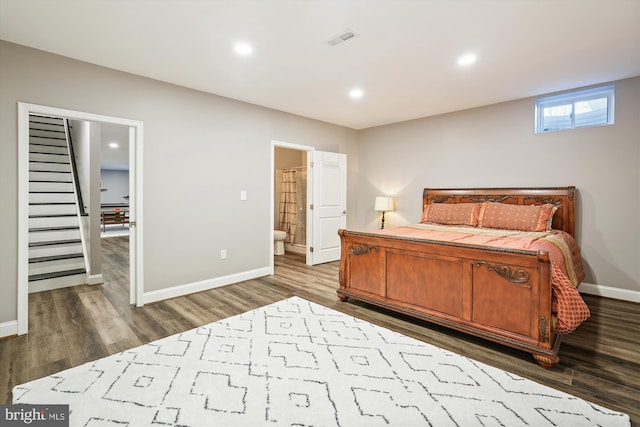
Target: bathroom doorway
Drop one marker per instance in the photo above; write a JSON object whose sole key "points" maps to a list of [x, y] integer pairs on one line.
{"points": [[325, 204], [285, 155], [290, 197]]}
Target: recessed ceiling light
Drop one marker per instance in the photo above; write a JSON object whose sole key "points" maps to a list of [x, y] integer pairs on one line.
{"points": [[113, 145], [243, 49], [467, 59], [356, 93]]}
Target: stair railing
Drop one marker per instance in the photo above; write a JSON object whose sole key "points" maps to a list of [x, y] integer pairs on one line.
{"points": [[74, 168]]}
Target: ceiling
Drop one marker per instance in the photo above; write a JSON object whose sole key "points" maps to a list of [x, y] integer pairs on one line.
{"points": [[114, 157], [404, 55]]}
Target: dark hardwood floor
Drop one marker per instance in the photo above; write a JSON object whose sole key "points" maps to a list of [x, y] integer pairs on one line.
{"points": [[599, 362]]}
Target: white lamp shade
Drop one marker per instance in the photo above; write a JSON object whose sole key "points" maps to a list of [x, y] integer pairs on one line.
{"points": [[384, 203]]}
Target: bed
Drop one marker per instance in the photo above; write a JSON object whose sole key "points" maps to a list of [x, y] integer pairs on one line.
{"points": [[466, 267]]}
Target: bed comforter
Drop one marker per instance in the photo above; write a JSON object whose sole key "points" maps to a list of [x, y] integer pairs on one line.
{"points": [[567, 271]]}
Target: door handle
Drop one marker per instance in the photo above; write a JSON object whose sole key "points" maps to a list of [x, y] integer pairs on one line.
{"points": [[344, 212]]}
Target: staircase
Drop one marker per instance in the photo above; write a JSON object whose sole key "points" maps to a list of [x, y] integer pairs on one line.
{"points": [[56, 256]]}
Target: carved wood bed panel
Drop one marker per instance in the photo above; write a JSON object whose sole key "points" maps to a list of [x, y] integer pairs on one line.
{"points": [[500, 295]]}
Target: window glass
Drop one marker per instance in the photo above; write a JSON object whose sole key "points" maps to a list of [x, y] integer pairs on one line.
{"points": [[558, 117], [591, 113]]}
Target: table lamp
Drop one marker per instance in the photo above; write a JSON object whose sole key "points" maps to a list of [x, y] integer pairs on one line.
{"points": [[384, 204]]}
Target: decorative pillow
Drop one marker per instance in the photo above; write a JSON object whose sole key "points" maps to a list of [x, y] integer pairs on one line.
{"points": [[452, 213], [516, 217]]}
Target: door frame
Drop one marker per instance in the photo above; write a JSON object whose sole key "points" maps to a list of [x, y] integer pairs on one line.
{"points": [[309, 231], [136, 271]]}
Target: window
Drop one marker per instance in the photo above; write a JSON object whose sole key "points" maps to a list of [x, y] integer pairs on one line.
{"points": [[591, 107]]}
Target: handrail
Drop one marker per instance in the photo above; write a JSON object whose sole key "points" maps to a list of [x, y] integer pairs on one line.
{"points": [[83, 211]]}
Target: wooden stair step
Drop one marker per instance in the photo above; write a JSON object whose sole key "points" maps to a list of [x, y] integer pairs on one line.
{"points": [[51, 215], [50, 203], [48, 137], [47, 153], [55, 258], [53, 228], [56, 274], [51, 192], [48, 162], [54, 242]]}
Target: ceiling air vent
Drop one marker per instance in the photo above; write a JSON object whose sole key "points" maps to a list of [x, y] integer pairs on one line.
{"points": [[342, 38]]}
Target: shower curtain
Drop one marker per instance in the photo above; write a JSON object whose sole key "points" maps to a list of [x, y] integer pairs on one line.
{"points": [[293, 205]]}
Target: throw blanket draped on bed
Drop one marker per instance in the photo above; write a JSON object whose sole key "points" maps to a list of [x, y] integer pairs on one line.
{"points": [[567, 271]]}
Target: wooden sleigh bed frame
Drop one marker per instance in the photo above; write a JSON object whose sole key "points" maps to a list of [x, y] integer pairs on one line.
{"points": [[472, 289]]}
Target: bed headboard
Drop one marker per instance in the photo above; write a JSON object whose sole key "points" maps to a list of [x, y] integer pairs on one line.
{"points": [[562, 197]]}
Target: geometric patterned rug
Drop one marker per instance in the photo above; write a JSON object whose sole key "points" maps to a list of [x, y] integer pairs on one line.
{"points": [[298, 363]]}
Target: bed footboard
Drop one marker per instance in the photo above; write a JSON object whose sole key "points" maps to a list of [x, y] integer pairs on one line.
{"points": [[502, 296]]}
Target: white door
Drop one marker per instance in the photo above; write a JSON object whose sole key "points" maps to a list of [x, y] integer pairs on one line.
{"points": [[329, 203]]}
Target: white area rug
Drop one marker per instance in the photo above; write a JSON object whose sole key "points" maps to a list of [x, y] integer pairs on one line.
{"points": [[298, 363]]}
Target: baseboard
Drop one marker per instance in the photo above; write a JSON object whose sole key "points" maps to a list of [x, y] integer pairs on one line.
{"points": [[296, 249], [95, 279], [190, 288], [610, 292], [8, 329]]}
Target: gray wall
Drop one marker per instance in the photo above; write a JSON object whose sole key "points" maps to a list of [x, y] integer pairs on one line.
{"points": [[200, 151], [115, 184], [495, 146]]}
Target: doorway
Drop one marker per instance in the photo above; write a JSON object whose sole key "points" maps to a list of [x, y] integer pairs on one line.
{"points": [[326, 210], [114, 181], [290, 200], [294, 159], [135, 140]]}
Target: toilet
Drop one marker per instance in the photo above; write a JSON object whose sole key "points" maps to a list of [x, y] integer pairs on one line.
{"points": [[278, 242]]}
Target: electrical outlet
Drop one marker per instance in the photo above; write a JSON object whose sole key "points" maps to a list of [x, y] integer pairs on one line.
{"points": [[223, 254], [243, 195]]}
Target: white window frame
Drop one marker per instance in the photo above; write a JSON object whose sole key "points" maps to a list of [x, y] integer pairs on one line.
{"points": [[571, 98]]}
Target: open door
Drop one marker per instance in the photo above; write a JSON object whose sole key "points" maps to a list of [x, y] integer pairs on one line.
{"points": [[329, 205]]}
